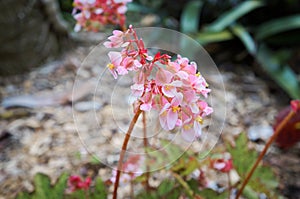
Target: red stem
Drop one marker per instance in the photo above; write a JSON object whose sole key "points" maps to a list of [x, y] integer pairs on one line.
{"points": [[122, 154], [261, 155], [145, 147]]}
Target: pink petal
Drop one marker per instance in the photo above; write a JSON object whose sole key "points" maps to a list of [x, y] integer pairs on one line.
{"points": [[163, 121], [163, 77], [146, 107], [169, 91], [115, 58], [122, 70], [137, 89], [188, 135], [197, 129], [172, 118], [118, 33]]}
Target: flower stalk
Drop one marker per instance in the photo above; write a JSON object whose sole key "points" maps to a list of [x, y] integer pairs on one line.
{"points": [[122, 154], [146, 147], [262, 154]]}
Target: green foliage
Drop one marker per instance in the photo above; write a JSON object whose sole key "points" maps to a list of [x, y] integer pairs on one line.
{"points": [[280, 72], [242, 157], [166, 189], [208, 193], [44, 190], [263, 179], [206, 37], [189, 22], [277, 26], [136, 7], [98, 192], [245, 37], [234, 24], [233, 15]]}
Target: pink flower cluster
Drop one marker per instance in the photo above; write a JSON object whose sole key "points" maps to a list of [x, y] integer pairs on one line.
{"points": [[76, 183], [173, 88], [92, 15], [132, 169]]}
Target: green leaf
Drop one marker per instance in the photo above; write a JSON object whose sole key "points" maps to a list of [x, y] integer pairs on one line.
{"points": [[135, 7], [147, 195], [263, 179], [23, 195], [44, 190], [42, 186], [174, 152], [189, 21], [242, 157], [245, 37], [281, 73], [208, 194], [60, 186], [249, 193], [165, 187], [277, 26], [210, 37], [100, 190], [233, 15], [190, 166]]}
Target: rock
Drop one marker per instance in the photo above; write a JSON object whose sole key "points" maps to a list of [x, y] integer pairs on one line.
{"points": [[260, 132], [87, 106], [69, 127], [41, 146], [32, 123]]}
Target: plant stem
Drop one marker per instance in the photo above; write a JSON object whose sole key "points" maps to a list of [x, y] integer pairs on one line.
{"points": [[131, 190], [186, 187], [229, 184], [122, 154], [261, 155], [145, 147]]}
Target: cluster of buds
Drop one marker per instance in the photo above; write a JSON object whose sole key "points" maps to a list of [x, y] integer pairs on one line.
{"points": [[132, 168], [173, 88], [76, 183], [92, 15]]}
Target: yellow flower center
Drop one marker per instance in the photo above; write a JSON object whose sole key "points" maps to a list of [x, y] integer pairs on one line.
{"points": [[199, 119], [175, 108], [168, 87], [198, 74], [110, 66], [187, 127]]}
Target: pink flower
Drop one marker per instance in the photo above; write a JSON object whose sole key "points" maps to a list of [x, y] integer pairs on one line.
{"points": [[76, 183], [173, 88], [224, 165], [95, 14], [206, 110], [115, 58], [295, 105], [116, 40], [170, 113]]}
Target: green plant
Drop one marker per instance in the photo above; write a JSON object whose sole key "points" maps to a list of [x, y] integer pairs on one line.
{"points": [[257, 39], [44, 190]]}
